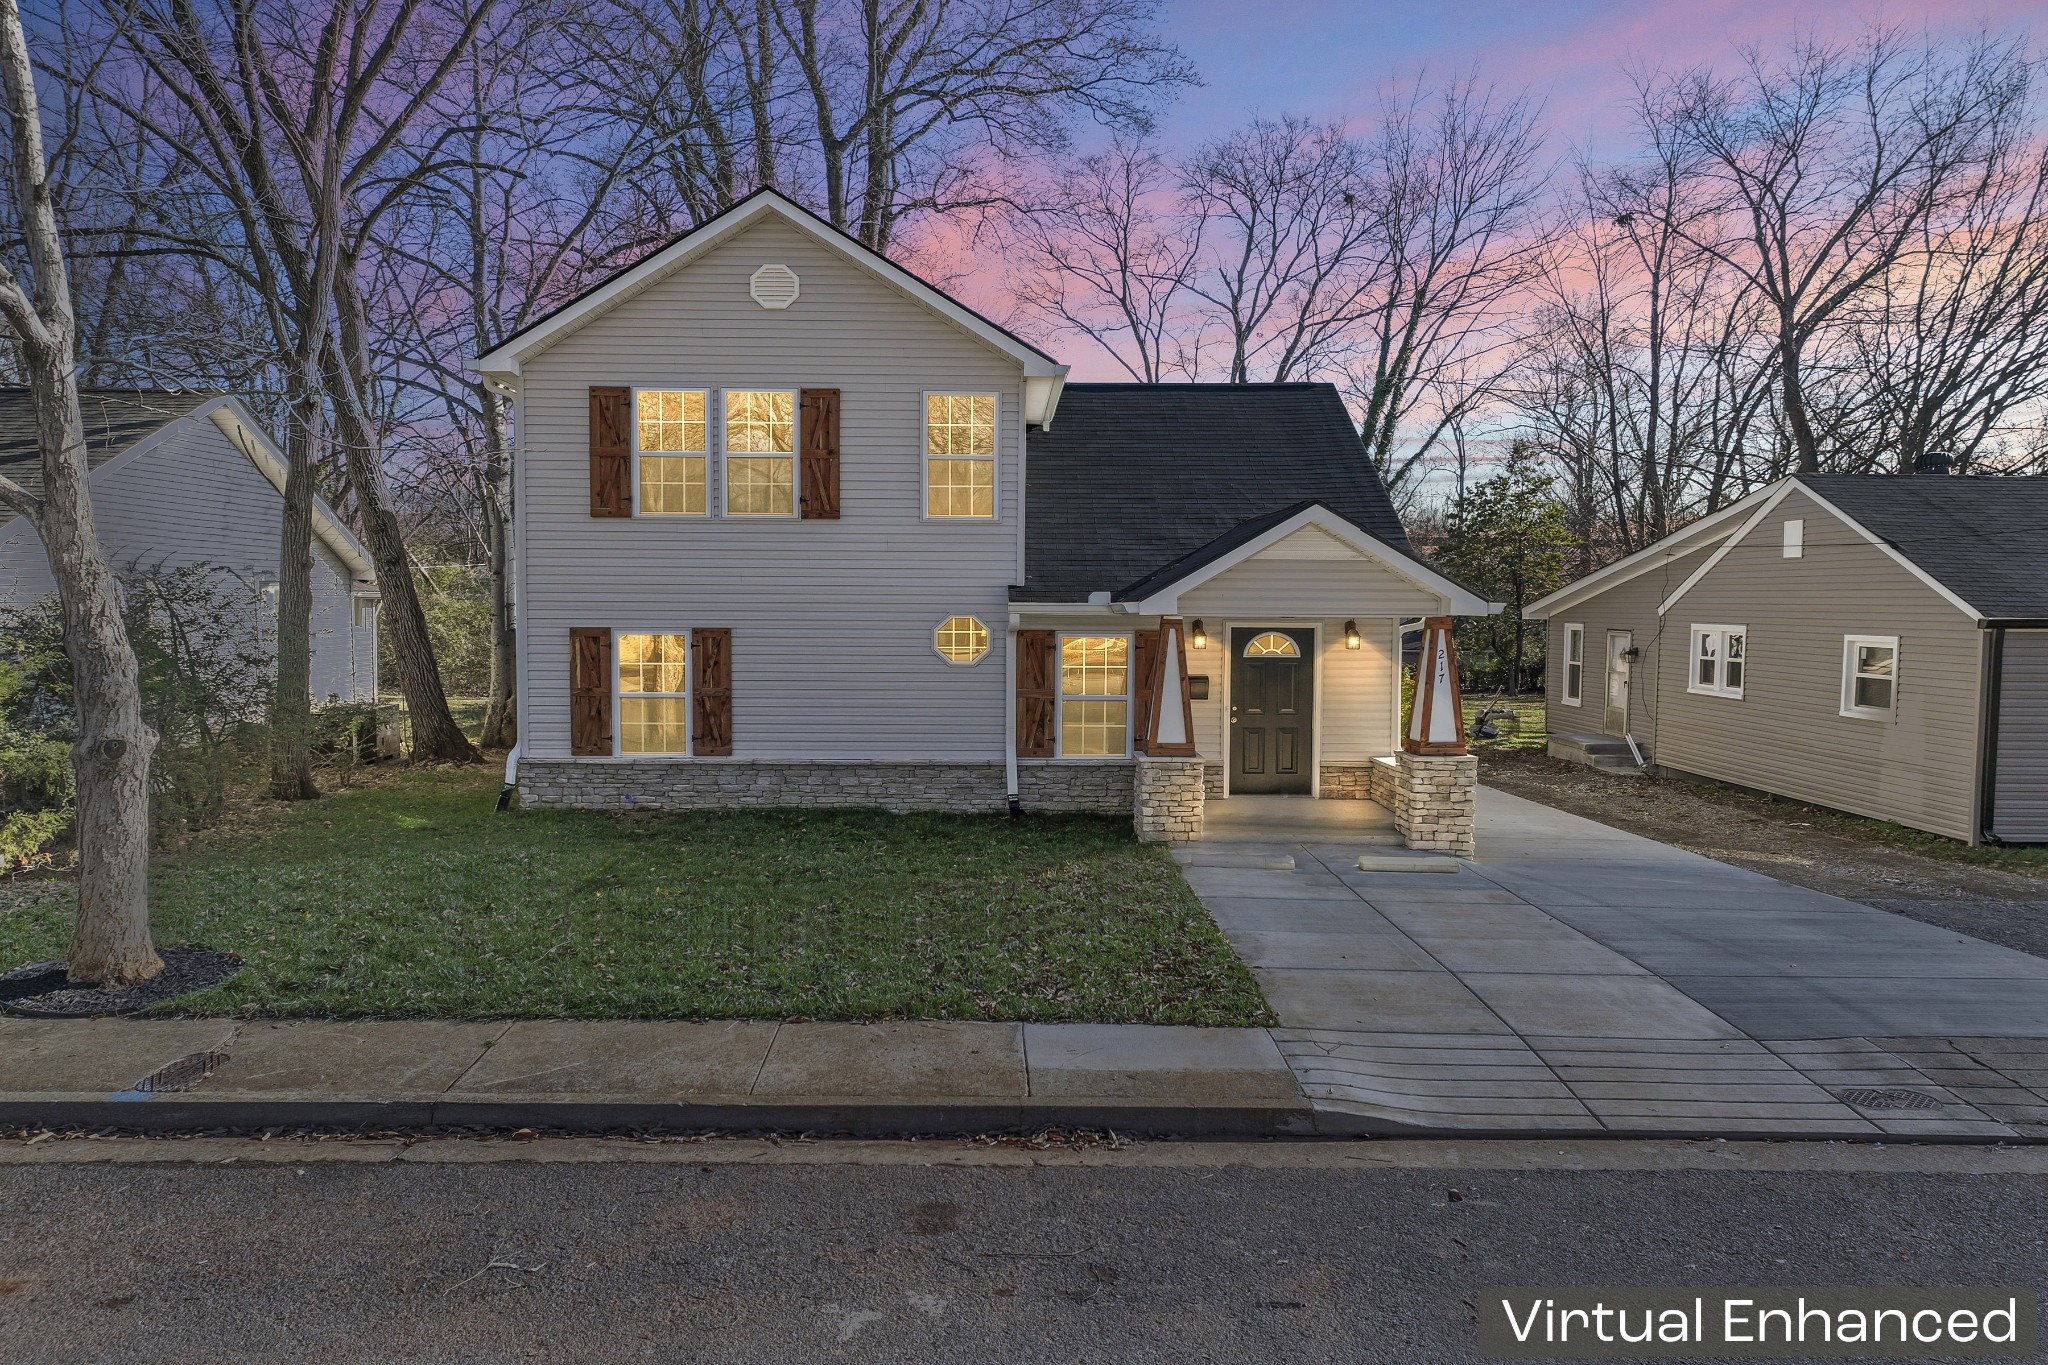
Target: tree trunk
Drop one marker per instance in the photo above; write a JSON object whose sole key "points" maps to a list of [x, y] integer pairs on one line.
{"points": [[291, 704], [501, 711], [110, 942], [1793, 380], [435, 735]]}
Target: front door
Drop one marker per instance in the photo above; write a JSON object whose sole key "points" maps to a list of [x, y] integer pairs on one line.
{"points": [[1619, 642], [1272, 707]]}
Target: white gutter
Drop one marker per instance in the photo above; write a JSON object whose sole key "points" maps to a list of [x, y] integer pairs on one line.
{"points": [[1010, 723]]}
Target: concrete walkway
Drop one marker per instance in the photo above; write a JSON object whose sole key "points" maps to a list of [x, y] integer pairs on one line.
{"points": [[1575, 977], [874, 1079]]}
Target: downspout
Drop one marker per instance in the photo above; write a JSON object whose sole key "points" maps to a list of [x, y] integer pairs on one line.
{"points": [[1010, 722], [1987, 741]]}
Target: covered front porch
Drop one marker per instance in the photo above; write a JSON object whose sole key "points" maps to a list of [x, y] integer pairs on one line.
{"points": [[1265, 668]]}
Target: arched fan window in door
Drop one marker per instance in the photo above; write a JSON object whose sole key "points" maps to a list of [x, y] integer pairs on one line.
{"points": [[1272, 645]]}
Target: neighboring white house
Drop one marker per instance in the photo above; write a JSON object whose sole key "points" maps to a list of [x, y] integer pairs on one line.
{"points": [[796, 528], [189, 478]]}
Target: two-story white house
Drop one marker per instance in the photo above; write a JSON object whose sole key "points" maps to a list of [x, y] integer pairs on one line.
{"points": [[795, 528]]}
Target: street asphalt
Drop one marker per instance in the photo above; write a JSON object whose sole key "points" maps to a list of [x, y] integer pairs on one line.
{"points": [[939, 1252]]}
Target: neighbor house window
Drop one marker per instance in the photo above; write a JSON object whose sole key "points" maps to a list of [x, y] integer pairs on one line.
{"points": [[1574, 665], [961, 640], [670, 451], [366, 611], [654, 700], [1870, 676], [760, 452], [1095, 696], [960, 455], [1719, 660]]}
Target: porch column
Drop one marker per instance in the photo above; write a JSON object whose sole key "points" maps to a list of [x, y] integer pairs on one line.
{"points": [[1437, 779], [1170, 719]]}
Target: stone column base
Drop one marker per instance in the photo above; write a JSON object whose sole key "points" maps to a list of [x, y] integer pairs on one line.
{"points": [[1435, 801], [1166, 800]]}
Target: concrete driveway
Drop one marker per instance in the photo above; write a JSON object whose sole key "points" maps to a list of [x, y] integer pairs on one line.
{"points": [[1575, 976]]}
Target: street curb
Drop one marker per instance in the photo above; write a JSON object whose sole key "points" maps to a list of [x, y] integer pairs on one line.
{"points": [[847, 1116]]}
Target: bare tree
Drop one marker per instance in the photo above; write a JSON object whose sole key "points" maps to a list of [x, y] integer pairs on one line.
{"points": [[1297, 252], [1111, 258], [301, 148], [1459, 183], [1829, 167], [111, 942]]}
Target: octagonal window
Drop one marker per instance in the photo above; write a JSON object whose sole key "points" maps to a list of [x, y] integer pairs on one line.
{"points": [[961, 640]]}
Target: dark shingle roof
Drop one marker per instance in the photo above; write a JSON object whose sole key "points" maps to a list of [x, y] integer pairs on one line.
{"points": [[115, 419], [1134, 485], [1984, 539]]}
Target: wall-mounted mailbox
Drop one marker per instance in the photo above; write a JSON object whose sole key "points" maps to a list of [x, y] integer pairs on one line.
{"points": [[1198, 687]]}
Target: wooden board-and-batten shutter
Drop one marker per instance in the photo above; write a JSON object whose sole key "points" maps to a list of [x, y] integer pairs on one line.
{"points": [[611, 452], [590, 690], [818, 475], [1037, 681], [1147, 690], [711, 691]]}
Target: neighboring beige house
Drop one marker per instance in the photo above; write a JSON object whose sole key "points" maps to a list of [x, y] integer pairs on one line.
{"points": [[1876, 644], [180, 479], [796, 528]]}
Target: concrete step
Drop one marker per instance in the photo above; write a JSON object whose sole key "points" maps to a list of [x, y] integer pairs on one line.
{"points": [[1609, 753]]}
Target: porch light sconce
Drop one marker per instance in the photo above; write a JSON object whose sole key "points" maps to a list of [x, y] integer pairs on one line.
{"points": [[1351, 637], [1198, 637], [1632, 653]]}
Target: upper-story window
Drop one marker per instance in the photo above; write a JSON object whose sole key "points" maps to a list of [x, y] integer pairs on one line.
{"points": [[760, 452], [670, 451], [960, 455]]}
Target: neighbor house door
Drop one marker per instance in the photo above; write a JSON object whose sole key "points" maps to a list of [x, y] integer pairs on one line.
{"points": [[1272, 707], [1619, 642]]}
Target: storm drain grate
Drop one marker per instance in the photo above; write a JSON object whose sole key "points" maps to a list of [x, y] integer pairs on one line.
{"points": [[1888, 1099], [182, 1074]]}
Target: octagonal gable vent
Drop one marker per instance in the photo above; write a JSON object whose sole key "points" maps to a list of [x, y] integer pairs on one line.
{"points": [[773, 286]]}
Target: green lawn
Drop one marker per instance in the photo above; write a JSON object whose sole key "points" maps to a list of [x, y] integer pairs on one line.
{"points": [[1526, 728], [412, 898]]}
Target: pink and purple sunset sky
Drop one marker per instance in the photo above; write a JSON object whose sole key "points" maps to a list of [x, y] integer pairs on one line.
{"points": [[1328, 58]]}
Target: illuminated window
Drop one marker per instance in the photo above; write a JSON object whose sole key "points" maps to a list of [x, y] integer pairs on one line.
{"points": [[961, 639], [760, 453], [960, 455], [654, 702], [669, 451], [1870, 676], [1095, 690], [1272, 645]]}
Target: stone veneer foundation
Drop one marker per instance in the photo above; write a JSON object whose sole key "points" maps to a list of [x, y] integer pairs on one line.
{"points": [[1346, 781], [722, 783]]}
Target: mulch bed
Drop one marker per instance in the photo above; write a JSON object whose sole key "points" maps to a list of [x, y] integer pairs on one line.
{"points": [[42, 991]]}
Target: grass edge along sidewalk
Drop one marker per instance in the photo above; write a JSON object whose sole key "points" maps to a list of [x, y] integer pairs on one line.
{"points": [[412, 898]]}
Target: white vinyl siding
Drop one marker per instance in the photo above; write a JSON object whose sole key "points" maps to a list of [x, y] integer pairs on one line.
{"points": [[191, 498], [832, 621]]}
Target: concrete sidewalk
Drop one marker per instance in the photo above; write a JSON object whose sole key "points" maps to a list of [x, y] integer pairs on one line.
{"points": [[869, 1079], [1576, 978]]}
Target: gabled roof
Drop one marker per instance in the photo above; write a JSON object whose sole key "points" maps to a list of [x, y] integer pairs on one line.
{"points": [[1979, 542], [1984, 539], [1135, 479], [115, 419], [122, 422], [1688, 539], [501, 364]]}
